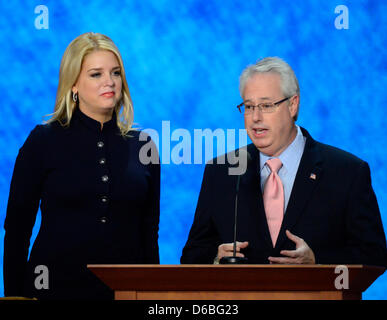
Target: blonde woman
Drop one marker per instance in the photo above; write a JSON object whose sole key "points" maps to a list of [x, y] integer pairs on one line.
{"points": [[99, 203]]}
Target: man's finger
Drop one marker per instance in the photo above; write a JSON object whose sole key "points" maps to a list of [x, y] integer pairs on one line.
{"points": [[230, 254], [242, 245], [283, 260], [230, 246], [290, 253], [293, 237], [226, 246]]}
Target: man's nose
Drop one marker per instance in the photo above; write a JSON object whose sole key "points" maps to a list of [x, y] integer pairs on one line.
{"points": [[257, 114]]}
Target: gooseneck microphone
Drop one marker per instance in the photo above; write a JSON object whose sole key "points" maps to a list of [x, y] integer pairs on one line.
{"points": [[247, 159]]}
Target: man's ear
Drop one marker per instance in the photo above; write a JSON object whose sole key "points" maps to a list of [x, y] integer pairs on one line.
{"points": [[294, 105]]}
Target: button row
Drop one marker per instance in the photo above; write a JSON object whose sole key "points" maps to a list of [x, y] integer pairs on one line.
{"points": [[104, 178]]}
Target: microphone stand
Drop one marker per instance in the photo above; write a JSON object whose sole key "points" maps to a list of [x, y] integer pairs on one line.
{"points": [[234, 259]]}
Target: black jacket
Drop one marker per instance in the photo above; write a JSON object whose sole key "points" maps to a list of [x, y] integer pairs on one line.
{"points": [[99, 204], [335, 211]]}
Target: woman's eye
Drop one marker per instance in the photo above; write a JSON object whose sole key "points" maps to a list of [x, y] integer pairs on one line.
{"points": [[117, 73], [95, 75]]}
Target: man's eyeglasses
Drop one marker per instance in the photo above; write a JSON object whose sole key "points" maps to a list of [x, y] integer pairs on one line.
{"points": [[267, 107]]}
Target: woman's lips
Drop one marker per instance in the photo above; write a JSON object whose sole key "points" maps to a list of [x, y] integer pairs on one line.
{"points": [[108, 94]]}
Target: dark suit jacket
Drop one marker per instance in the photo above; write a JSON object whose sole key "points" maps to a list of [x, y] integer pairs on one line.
{"points": [[336, 214], [99, 204]]}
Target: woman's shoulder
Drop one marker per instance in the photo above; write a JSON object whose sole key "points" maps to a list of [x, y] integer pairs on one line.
{"points": [[47, 128], [146, 146], [43, 133], [139, 136]]}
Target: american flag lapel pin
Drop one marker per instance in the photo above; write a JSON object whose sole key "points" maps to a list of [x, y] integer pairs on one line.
{"points": [[313, 176]]}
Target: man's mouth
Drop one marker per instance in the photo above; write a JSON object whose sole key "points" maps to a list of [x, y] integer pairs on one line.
{"points": [[259, 132]]}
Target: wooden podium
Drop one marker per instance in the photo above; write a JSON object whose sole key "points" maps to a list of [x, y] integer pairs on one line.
{"points": [[235, 282]]}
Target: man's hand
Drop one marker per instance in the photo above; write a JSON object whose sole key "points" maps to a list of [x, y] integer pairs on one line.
{"points": [[227, 249], [302, 255]]}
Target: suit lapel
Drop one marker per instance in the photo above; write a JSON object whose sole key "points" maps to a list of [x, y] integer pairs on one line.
{"points": [[308, 175], [252, 194]]}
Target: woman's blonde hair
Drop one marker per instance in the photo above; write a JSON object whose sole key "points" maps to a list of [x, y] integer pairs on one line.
{"points": [[70, 69]]}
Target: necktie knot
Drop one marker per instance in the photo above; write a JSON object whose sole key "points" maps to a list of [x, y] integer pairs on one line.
{"points": [[274, 164]]}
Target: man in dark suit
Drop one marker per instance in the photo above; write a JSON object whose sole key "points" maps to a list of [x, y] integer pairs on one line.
{"points": [[316, 206]]}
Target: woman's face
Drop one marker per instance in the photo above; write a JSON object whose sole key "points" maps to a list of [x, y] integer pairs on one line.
{"points": [[99, 83]]}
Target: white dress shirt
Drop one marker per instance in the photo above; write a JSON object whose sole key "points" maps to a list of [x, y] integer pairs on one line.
{"points": [[290, 159]]}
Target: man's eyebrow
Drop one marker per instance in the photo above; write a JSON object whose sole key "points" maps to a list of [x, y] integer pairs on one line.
{"points": [[262, 98]]}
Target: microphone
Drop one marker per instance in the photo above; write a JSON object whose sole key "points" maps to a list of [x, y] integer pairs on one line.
{"points": [[245, 155]]}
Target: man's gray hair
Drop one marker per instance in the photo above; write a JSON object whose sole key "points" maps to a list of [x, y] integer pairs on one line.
{"points": [[289, 82]]}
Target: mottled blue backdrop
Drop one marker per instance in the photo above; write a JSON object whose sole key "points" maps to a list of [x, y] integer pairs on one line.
{"points": [[183, 60]]}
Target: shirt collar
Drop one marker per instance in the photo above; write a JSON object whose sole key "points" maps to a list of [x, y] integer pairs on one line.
{"points": [[290, 155]]}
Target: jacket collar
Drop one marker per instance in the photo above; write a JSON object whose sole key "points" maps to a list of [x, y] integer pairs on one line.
{"points": [[94, 125]]}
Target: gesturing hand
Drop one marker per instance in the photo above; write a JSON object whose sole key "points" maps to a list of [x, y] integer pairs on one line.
{"points": [[227, 249], [302, 255]]}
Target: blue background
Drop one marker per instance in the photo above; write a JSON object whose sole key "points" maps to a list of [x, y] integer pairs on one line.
{"points": [[183, 60]]}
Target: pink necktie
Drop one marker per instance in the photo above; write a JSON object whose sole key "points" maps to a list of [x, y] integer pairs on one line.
{"points": [[273, 199]]}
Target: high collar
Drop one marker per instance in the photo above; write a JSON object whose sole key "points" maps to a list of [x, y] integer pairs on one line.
{"points": [[93, 124]]}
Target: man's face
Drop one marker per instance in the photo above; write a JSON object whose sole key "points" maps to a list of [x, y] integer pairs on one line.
{"points": [[271, 133]]}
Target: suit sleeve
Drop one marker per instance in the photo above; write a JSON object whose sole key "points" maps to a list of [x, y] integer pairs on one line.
{"points": [[366, 241], [203, 241], [152, 214], [23, 203]]}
